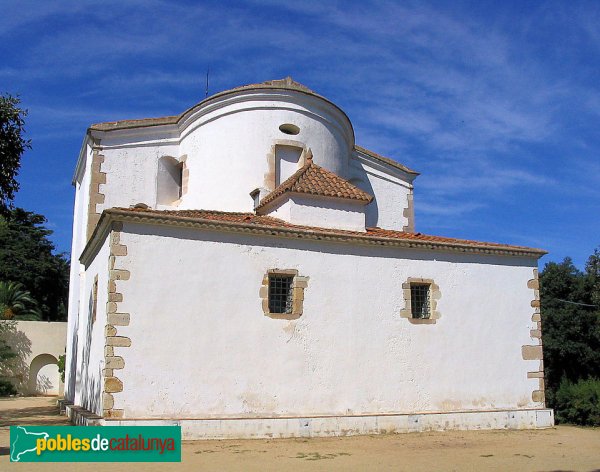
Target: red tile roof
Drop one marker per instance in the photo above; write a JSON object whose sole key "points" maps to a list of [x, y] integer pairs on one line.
{"points": [[314, 180], [249, 222]]}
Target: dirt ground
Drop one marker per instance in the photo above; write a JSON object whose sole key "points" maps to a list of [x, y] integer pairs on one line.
{"points": [[558, 449]]}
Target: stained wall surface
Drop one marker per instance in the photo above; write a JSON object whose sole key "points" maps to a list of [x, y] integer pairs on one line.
{"points": [[202, 347]]}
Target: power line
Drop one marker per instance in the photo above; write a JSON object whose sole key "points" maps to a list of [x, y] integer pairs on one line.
{"points": [[575, 303]]}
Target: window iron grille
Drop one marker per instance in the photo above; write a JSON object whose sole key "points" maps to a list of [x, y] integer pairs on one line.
{"points": [[419, 300], [280, 294]]}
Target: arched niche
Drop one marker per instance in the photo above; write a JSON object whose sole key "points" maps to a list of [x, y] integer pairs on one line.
{"points": [[169, 180]]}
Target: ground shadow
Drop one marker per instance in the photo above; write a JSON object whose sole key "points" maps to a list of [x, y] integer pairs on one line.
{"points": [[33, 416]]}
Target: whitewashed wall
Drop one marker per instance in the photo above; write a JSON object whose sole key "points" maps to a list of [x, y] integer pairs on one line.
{"points": [[310, 210], [39, 344], [227, 145], [132, 168], [390, 187], [81, 183], [201, 346], [87, 339]]}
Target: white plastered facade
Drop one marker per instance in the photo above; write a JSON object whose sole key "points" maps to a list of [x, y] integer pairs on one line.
{"points": [[204, 355]]}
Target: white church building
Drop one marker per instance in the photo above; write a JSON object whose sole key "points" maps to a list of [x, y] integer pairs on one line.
{"points": [[245, 269]]}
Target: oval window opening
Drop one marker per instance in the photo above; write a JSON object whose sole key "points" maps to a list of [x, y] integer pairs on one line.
{"points": [[289, 128]]}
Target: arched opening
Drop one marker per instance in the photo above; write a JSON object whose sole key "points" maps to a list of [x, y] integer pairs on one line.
{"points": [[44, 378], [168, 180]]}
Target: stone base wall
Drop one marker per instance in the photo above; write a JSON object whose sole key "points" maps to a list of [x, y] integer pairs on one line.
{"points": [[78, 415], [334, 426]]}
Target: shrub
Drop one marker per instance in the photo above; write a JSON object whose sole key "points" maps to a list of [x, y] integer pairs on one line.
{"points": [[7, 388], [61, 366], [578, 403]]}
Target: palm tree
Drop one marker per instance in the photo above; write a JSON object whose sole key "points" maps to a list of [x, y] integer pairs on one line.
{"points": [[16, 303]]}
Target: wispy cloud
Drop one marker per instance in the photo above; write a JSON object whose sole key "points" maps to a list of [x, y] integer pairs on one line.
{"points": [[488, 103], [446, 208]]}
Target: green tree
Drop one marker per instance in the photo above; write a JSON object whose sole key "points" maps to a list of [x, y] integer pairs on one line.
{"points": [[16, 303], [61, 366], [12, 146], [571, 328], [592, 268], [578, 403], [26, 256], [6, 356]]}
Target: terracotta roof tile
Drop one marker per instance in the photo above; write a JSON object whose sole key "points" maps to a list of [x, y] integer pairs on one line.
{"points": [[250, 220], [314, 180]]}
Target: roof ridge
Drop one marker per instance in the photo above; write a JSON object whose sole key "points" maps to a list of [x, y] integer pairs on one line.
{"points": [[298, 182]]}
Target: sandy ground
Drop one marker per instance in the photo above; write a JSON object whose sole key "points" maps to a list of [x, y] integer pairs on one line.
{"points": [[562, 448]]}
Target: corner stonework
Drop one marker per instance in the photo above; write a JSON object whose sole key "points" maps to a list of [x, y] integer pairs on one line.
{"points": [[409, 214], [534, 351], [114, 319], [97, 178]]}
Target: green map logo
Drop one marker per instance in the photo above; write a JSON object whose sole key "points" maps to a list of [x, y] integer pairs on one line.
{"points": [[95, 444], [24, 441]]}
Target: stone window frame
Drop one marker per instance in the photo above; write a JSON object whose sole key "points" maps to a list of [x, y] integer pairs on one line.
{"points": [[270, 177], [434, 296], [299, 284]]}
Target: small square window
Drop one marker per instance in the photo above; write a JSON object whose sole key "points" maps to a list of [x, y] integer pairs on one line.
{"points": [[420, 301], [280, 293]]}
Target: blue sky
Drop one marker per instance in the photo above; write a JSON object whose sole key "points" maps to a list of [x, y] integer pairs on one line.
{"points": [[497, 104]]}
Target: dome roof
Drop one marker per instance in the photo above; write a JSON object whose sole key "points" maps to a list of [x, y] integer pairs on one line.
{"points": [[287, 84], [279, 84]]}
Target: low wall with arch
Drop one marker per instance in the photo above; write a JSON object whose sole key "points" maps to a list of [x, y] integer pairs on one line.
{"points": [[38, 345]]}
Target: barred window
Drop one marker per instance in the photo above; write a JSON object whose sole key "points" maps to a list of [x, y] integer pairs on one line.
{"points": [[420, 300], [280, 293]]}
